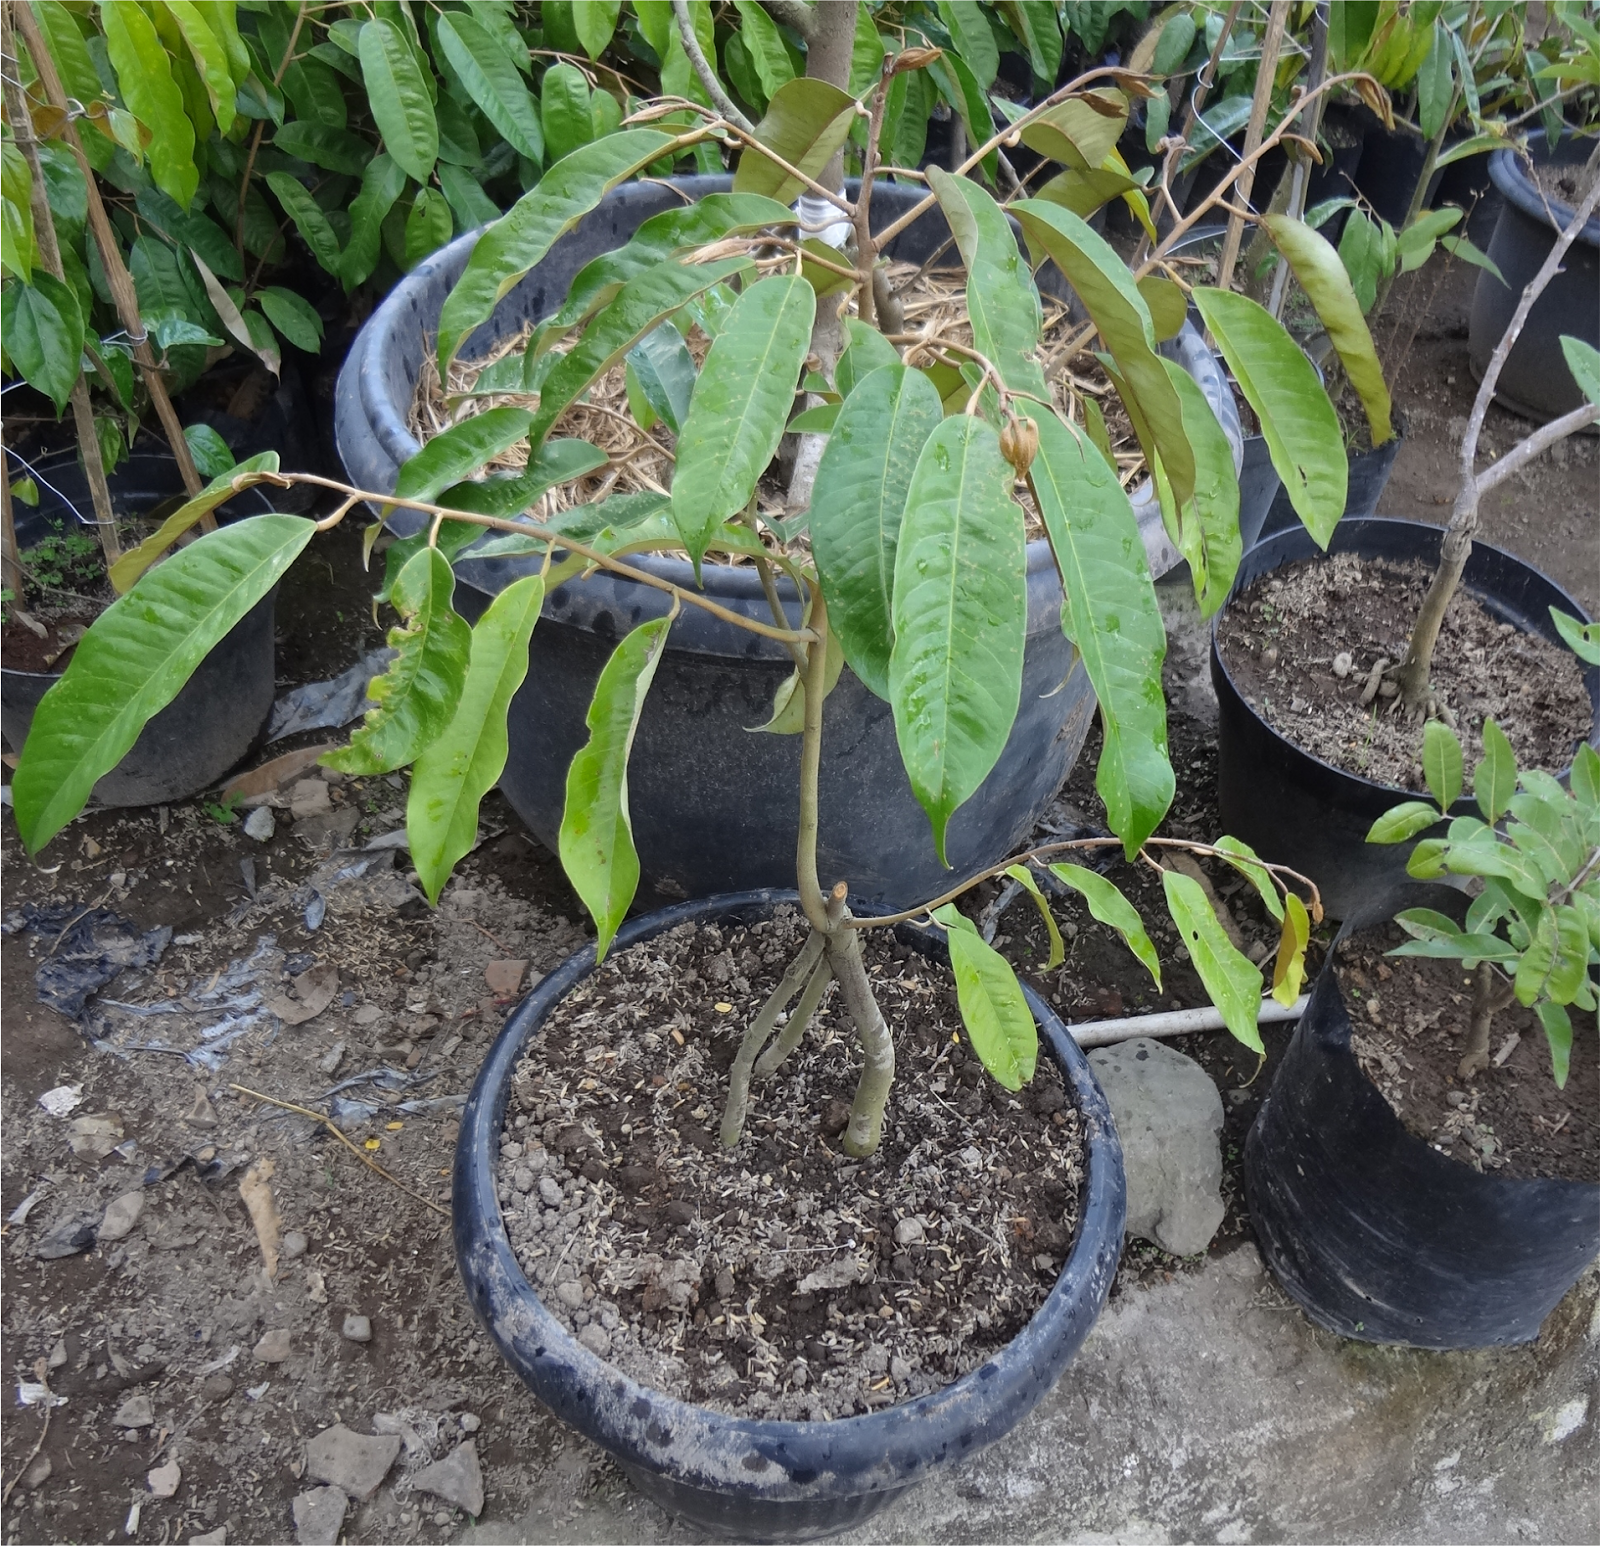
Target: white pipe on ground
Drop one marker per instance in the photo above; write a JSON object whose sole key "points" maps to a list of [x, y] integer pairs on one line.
{"points": [[1175, 1022]]}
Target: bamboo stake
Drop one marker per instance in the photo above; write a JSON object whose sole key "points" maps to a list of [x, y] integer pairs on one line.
{"points": [[10, 558], [1265, 72]]}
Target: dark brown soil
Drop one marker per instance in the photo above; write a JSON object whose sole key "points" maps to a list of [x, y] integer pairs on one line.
{"points": [[1561, 182], [1410, 1016], [23, 650], [1302, 641], [781, 1277]]}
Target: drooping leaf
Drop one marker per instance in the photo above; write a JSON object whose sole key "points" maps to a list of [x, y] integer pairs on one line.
{"points": [[1297, 419], [1582, 638], [292, 315], [452, 775], [209, 451], [564, 110], [144, 76], [1441, 763], [43, 332], [1024, 878], [1037, 24], [414, 700], [1233, 984], [960, 89], [1109, 906], [1169, 306], [740, 406], [864, 351], [1316, 266], [1110, 613], [789, 702], [1242, 857], [1434, 82], [397, 95], [309, 218], [1494, 780], [1209, 530], [514, 493], [960, 614], [136, 657], [381, 184], [1361, 251], [526, 232], [805, 123], [1076, 133], [664, 368], [996, 1016], [335, 150], [1583, 360], [969, 30], [764, 44], [428, 226], [596, 844], [459, 451], [1289, 968], [1403, 822], [1557, 1024], [640, 306], [471, 206], [594, 21], [857, 504]]}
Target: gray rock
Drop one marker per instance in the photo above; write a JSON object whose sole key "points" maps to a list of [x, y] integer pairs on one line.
{"points": [[1169, 1118], [458, 1478], [216, 1387], [135, 1412], [470, 1422], [596, 1339], [121, 1216], [318, 1516], [354, 1462], [570, 1294], [908, 1231], [294, 1245], [260, 824], [274, 1347], [357, 1328], [550, 1191]]}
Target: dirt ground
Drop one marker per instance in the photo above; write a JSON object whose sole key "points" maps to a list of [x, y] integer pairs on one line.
{"points": [[181, 1311]]}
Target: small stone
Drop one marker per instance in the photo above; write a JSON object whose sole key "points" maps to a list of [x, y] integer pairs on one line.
{"points": [[470, 1422], [332, 1058], [58, 1354], [457, 1479], [596, 1339], [504, 977], [908, 1231], [570, 1294], [120, 1217], [318, 1516], [522, 1178], [357, 1328], [216, 1387], [355, 1462], [274, 1347], [294, 1245], [164, 1480], [309, 798], [368, 1014], [37, 1474], [135, 1412], [899, 1369], [550, 1191], [259, 824], [1343, 663], [1269, 658], [442, 1516], [201, 1114], [724, 1283]]}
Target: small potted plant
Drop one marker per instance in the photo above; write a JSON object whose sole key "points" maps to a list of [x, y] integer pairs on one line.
{"points": [[1415, 1175]]}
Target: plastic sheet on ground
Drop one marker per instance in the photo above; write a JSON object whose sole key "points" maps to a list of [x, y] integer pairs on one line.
{"points": [[327, 705], [88, 947]]}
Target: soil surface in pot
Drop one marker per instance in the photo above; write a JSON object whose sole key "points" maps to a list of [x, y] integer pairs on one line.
{"points": [[1560, 182], [1303, 641], [781, 1279], [25, 649], [1409, 1018]]}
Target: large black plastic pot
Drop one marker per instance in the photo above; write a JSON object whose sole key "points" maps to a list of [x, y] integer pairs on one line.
{"points": [[739, 1477], [1535, 380], [1372, 1231], [216, 717], [712, 804], [1294, 808]]}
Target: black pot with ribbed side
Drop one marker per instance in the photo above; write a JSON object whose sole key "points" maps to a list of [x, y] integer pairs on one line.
{"points": [[1294, 808], [1535, 381], [219, 712], [1372, 1231], [713, 805], [741, 1477]]}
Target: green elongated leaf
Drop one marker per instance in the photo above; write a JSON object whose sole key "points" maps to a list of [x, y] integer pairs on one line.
{"points": [[1460, 247], [1582, 638], [512, 494], [1415, 243], [308, 218], [1036, 23], [415, 699], [453, 775], [471, 206], [673, 231], [1109, 906], [641, 305], [1110, 613], [1209, 535], [1024, 878], [1107, 290], [1241, 856], [1219, 122], [596, 841], [337, 150], [740, 406], [1557, 1025], [526, 232], [1441, 763], [1571, 964], [428, 225], [1349, 31], [857, 504], [864, 351], [1403, 823], [135, 659], [959, 87], [805, 122], [144, 76], [1169, 306], [764, 45], [1289, 968], [1583, 360], [293, 316], [195, 232], [564, 110], [1001, 298], [16, 230], [996, 1015], [1319, 272], [218, 491], [1297, 419], [381, 184], [664, 368], [43, 330], [866, 54], [460, 451], [397, 95], [210, 57], [1361, 251], [1469, 949], [816, 421], [78, 74], [493, 81], [1586, 776], [1233, 984], [1077, 134], [960, 615], [594, 21], [1494, 780], [1434, 82], [969, 31]]}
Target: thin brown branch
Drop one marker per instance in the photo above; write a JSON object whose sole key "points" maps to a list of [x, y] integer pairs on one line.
{"points": [[704, 73]]}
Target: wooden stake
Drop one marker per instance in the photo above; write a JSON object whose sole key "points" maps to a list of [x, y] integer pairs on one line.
{"points": [[1271, 44]]}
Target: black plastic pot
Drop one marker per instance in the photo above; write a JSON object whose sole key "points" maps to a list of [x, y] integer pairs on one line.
{"points": [[1535, 380], [712, 804], [1372, 1231], [738, 1477], [1369, 477], [216, 717], [1294, 808], [1391, 162]]}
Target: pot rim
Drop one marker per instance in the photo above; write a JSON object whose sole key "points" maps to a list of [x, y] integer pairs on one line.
{"points": [[1511, 178], [712, 1449], [1369, 790]]}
